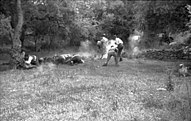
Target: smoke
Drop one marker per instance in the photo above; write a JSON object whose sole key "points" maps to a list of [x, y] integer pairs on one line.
{"points": [[136, 51], [86, 49], [134, 41]]}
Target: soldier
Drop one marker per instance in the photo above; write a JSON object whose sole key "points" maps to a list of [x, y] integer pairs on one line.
{"points": [[102, 46], [113, 51], [120, 47]]}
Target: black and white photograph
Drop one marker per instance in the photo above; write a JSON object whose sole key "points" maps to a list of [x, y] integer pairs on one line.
{"points": [[95, 60]]}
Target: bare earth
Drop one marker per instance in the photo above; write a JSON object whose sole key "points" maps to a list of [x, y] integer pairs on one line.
{"points": [[89, 92]]}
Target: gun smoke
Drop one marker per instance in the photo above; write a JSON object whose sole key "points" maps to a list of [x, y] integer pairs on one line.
{"points": [[134, 41], [86, 49]]}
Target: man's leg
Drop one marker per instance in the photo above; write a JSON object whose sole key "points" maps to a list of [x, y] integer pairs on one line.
{"points": [[116, 59], [120, 48], [108, 58]]}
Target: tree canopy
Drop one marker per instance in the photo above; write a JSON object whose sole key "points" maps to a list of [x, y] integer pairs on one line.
{"points": [[68, 22]]}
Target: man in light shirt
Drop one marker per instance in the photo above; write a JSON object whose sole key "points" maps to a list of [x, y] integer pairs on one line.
{"points": [[112, 52], [103, 46]]}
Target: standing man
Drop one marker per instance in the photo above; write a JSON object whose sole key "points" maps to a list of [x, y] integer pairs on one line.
{"points": [[119, 43], [113, 51], [102, 46]]}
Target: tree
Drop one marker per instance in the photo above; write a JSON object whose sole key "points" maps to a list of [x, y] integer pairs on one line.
{"points": [[78, 20], [15, 34], [52, 18], [18, 28]]}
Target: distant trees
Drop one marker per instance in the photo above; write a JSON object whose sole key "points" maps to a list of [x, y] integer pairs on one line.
{"points": [[66, 22]]}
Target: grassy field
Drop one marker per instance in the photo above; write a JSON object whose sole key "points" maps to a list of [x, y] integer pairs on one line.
{"points": [[90, 92]]}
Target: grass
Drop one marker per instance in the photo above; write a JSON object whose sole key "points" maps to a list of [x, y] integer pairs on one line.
{"points": [[90, 92]]}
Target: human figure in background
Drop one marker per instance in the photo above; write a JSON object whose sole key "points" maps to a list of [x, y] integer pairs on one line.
{"points": [[104, 39]]}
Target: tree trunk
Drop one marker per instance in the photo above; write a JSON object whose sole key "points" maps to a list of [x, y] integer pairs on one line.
{"points": [[15, 33], [16, 46], [22, 37], [18, 29]]}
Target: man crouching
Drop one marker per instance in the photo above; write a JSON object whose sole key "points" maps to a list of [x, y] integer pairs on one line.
{"points": [[112, 52], [120, 47]]}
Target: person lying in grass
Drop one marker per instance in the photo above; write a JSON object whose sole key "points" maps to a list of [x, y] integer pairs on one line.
{"points": [[70, 59], [29, 61]]}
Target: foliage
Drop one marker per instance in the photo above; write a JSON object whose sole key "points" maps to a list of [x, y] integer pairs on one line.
{"points": [[167, 16], [189, 11], [5, 26], [78, 20]]}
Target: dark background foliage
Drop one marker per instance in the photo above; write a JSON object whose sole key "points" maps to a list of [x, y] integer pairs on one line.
{"points": [[50, 24]]}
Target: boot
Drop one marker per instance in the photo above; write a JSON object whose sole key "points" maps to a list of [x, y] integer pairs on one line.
{"points": [[105, 64], [121, 59]]}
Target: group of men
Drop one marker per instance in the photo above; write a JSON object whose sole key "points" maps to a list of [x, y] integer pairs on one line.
{"points": [[111, 48]]}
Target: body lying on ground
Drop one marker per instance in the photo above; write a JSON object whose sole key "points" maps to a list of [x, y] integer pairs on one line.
{"points": [[32, 61], [28, 61], [70, 59]]}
